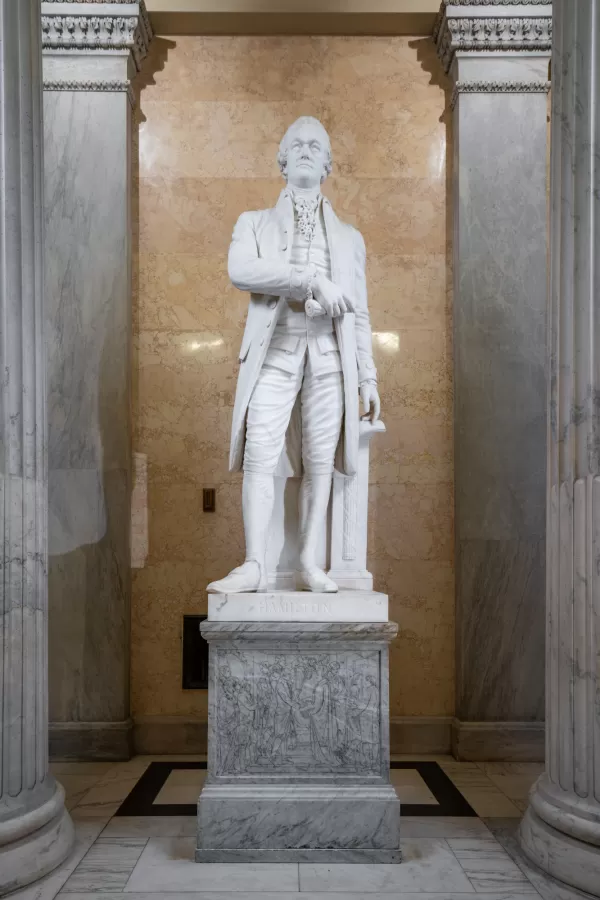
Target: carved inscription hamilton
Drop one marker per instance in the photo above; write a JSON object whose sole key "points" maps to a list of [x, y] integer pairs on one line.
{"points": [[284, 606], [296, 713]]}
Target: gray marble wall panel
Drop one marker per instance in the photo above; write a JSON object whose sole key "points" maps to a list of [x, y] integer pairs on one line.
{"points": [[87, 272], [500, 399]]}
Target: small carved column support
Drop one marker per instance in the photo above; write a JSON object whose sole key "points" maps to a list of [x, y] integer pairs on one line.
{"points": [[349, 515], [91, 51], [36, 832], [497, 55], [561, 830]]}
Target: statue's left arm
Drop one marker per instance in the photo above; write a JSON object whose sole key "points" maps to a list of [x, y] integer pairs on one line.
{"points": [[367, 373]]}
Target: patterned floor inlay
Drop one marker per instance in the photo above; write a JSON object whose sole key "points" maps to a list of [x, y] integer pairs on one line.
{"points": [[172, 789]]}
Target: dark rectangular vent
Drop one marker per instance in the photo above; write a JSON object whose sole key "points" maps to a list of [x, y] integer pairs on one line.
{"points": [[195, 655]]}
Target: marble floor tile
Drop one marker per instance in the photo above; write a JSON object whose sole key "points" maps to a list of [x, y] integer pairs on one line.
{"points": [[99, 812], [441, 827], [286, 895], [427, 866], [182, 786], [513, 779], [505, 832], [479, 791], [183, 777], [167, 864], [410, 787], [170, 757], [488, 866], [422, 757], [151, 826], [184, 794], [490, 802], [59, 769], [403, 895], [111, 789], [76, 787], [47, 888], [466, 774], [107, 865], [137, 765]]}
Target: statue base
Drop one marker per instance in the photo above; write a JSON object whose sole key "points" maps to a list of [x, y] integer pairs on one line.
{"points": [[298, 742], [299, 606]]}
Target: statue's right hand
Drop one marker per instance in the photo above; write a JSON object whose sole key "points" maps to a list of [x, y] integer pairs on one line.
{"points": [[331, 297]]}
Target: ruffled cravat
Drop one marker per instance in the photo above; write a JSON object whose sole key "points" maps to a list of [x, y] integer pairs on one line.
{"points": [[306, 214]]}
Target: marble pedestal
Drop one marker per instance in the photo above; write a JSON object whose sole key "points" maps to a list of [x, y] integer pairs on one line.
{"points": [[298, 743]]}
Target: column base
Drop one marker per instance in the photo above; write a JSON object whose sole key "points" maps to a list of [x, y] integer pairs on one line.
{"points": [[560, 833], [34, 843]]}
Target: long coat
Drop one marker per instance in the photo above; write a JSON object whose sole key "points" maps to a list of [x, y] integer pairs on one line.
{"points": [[259, 262]]}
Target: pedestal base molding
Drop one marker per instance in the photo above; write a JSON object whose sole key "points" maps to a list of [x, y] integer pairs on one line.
{"points": [[35, 843], [299, 823]]}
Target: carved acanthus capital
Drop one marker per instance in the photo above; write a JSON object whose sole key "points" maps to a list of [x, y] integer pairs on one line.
{"points": [[464, 25], [95, 25]]}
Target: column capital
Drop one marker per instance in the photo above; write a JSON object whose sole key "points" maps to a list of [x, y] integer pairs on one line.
{"points": [[86, 40], [479, 28]]}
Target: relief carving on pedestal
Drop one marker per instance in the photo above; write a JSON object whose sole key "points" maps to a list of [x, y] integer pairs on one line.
{"points": [[297, 713]]}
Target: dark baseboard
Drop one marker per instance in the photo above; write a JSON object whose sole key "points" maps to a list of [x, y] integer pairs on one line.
{"points": [[94, 741], [420, 734], [157, 735], [165, 735], [498, 741]]}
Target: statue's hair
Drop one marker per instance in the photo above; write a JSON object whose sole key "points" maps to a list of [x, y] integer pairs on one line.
{"points": [[282, 156]]}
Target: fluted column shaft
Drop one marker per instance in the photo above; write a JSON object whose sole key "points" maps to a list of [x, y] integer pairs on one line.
{"points": [[561, 831], [35, 830]]}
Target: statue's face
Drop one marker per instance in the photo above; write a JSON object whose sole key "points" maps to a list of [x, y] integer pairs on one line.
{"points": [[307, 156]]}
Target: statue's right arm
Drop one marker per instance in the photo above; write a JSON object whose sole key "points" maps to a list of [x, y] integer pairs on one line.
{"points": [[250, 272]]}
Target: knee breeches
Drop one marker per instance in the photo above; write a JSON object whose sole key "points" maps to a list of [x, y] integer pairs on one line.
{"points": [[270, 409]]}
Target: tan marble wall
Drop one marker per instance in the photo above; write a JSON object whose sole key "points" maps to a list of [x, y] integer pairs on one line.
{"points": [[212, 115]]}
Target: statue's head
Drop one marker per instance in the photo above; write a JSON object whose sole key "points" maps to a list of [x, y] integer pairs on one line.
{"points": [[305, 153]]}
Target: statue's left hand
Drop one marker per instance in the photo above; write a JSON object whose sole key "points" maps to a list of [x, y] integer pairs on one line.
{"points": [[369, 398]]}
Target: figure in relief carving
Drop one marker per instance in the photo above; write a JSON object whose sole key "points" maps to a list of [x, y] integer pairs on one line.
{"points": [[298, 715], [306, 354]]}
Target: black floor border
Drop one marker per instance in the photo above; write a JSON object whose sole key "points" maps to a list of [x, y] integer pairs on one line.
{"points": [[450, 800], [140, 800]]}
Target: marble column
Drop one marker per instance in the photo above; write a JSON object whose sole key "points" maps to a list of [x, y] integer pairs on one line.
{"points": [[561, 829], [497, 57], [36, 832], [91, 51]]}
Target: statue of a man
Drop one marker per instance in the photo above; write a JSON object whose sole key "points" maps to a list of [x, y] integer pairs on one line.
{"points": [[307, 345]]}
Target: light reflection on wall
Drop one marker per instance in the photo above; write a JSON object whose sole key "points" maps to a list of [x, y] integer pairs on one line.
{"points": [[388, 341], [437, 158], [208, 343]]}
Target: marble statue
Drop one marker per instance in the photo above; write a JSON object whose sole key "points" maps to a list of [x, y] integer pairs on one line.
{"points": [[306, 355]]}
